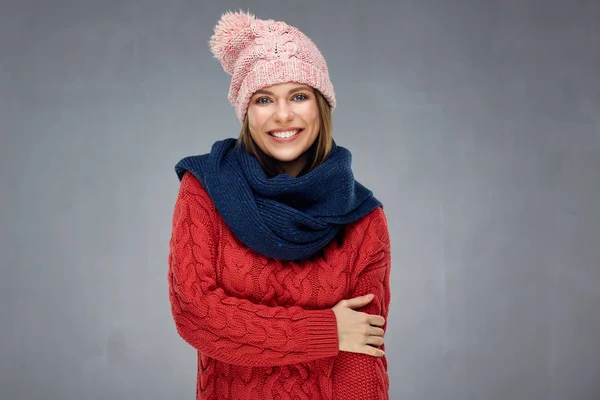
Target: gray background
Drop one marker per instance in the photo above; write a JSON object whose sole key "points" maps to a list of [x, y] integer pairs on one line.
{"points": [[476, 123]]}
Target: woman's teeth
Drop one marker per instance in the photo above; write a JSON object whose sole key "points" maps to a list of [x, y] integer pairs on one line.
{"points": [[284, 135]]}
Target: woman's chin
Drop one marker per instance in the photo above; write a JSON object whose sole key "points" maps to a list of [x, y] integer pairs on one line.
{"points": [[285, 157]]}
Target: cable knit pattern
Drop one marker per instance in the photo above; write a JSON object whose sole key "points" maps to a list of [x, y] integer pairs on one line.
{"points": [[264, 328]]}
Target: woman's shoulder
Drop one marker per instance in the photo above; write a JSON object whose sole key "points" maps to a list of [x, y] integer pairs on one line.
{"points": [[374, 219], [190, 187], [372, 229], [191, 183]]}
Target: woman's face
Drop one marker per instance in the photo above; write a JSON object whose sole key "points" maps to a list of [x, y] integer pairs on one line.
{"points": [[284, 122]]}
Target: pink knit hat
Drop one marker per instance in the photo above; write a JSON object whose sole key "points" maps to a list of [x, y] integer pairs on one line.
{"points": [[260, 53]]}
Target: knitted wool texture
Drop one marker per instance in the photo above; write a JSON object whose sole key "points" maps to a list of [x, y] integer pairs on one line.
{"points": [[264, 328], [283, 217], [260, 53]]}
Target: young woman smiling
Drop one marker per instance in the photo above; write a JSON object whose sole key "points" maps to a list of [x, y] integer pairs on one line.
{"points": [[279, 260]]}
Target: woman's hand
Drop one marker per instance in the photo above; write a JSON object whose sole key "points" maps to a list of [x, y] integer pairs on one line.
{"points": [[358, 332]]}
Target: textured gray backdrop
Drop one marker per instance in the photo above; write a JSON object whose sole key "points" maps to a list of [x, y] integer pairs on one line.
{"points": [[477, 123]]}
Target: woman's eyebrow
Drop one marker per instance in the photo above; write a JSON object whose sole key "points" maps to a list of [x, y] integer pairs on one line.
{"points": [[296, 89]]}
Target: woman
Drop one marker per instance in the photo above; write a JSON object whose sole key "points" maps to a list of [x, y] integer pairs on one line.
{"points": [[275, 246]]}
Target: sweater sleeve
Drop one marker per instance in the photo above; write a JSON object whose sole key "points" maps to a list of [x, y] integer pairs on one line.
{"points": [[361, 376], [233, 330]]}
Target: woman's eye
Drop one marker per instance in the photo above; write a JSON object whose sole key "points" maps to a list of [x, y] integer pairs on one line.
{"points": [[300, 97], [262, 100]]}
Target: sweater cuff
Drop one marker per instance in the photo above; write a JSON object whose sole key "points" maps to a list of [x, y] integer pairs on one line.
{"points": [[322, 334]]}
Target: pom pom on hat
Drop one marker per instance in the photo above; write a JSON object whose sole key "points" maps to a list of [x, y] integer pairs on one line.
{"points": [[230, 24]]}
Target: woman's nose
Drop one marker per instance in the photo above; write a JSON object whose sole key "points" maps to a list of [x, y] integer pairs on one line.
{"points": [[283, 113]]}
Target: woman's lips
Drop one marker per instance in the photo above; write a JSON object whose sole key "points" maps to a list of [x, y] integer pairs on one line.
{"points": [[287, 138]]}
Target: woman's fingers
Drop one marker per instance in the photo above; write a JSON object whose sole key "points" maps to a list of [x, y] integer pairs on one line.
{"points": [[373, 331], [372, 351], [376, 320], [357, 302], [375, 341]]}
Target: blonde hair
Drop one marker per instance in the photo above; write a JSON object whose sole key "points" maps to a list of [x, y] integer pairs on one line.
{"points": [[318, 152]]}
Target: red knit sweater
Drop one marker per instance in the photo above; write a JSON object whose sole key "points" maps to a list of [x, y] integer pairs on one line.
{"points": [[264, 328]]}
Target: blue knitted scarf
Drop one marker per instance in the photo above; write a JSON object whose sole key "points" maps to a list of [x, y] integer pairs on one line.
{"points": [[282, 217]]}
